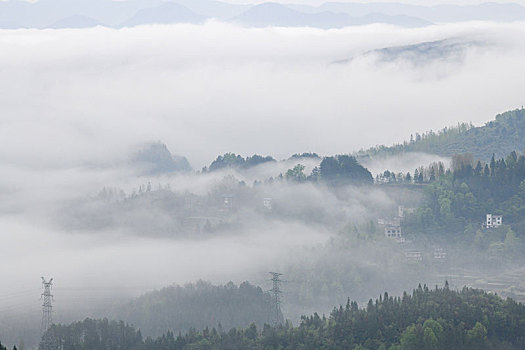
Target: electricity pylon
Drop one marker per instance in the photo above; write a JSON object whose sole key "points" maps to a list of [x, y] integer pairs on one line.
{"points": [[47, 311], [276, 292]]}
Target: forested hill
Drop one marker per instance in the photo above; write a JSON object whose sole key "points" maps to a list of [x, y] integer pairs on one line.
{"points": [[501, 136], [435, 319], [197, 305]]}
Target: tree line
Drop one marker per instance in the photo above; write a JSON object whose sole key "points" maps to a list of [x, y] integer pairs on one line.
{"points": [[334, 170], [464, 195], [426, 319], [500, 136]]}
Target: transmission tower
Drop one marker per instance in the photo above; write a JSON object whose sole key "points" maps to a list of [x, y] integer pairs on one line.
{"points": [[276, 298], [47, 307]]}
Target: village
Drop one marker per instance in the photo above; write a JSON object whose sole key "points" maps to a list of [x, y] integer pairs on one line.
{"points": [[393, 231]]}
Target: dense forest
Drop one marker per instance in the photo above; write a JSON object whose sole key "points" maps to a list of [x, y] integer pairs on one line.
{"points": [[333, 170], [456, 204], [501, 136], [232, 160], [344, 170], [497, 187], [198, 305], [438, 318]]}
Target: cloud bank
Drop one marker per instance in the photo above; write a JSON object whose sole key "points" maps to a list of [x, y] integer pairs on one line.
{"points": [[75, 102], [72, 97]]}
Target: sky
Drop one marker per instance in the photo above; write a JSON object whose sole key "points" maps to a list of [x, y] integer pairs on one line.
{"points": [[414, 2], [319, 2]]}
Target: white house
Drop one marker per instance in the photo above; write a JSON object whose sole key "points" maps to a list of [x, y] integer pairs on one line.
{"points": [[393, 231], [227, 201], [493, 221], [413, 255], [267, 203], [440, 254]]}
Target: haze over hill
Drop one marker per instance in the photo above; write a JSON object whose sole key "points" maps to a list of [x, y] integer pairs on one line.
{"points": [[157, 153], [499, 137]]}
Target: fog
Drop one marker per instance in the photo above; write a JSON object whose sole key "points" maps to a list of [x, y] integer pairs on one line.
{"points": [[205, 90], [76, 103], [402, 163]]}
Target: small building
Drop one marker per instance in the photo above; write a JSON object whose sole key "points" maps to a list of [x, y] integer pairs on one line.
{"points": [[493, 221], [440, 254], [393, 231], [413, 255], [267, 203], [227, 201]]}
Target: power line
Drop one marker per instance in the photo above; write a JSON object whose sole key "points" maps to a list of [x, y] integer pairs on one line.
{"points": [[18, 294]]}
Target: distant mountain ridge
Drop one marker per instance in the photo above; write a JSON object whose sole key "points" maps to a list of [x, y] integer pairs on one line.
{"points": [[426, 52], [488, 11], [273, 14], [501, 136], [422, 53], [80, 13], [164, 14], [75, 21]]}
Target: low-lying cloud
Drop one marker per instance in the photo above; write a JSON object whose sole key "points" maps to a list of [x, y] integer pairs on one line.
{"points": [[71, 97]]}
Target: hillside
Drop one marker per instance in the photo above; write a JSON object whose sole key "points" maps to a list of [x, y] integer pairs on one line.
{"points": [[156, 159], [437, 318], [197, 306], [501, 136]]}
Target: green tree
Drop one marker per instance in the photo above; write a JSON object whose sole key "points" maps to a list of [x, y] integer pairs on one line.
{"points": [[477, 337], [411, 338], [296, 173], [430, 340]]}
